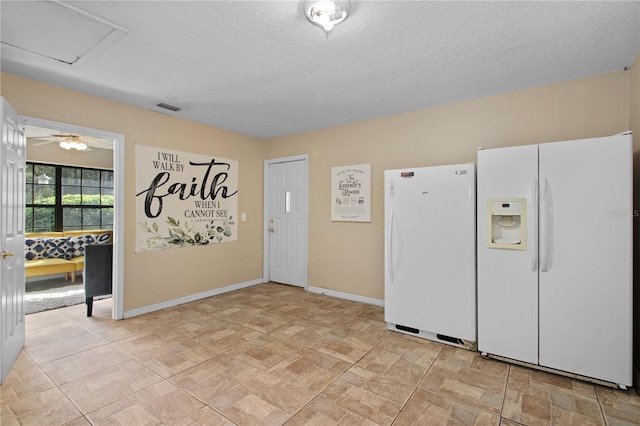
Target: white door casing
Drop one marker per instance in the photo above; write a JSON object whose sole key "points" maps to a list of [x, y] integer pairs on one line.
{"points": [[286, 221], [12, 274]]}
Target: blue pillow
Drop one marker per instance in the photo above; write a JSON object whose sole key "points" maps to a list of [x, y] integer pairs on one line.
{"points": [[58, 247], [34, 248], [79, 243], [103, 238]]}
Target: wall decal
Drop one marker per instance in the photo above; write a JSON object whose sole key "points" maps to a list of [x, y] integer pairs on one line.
{"points": [[184, 199]]}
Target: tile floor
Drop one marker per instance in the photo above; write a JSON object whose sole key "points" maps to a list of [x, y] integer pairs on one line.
{"points": [[273, 354]]}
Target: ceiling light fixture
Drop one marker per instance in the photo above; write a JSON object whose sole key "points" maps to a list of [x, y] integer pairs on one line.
{"points": [[326, 13], [70, 143]]}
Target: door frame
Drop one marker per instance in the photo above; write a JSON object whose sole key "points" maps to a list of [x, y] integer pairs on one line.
{"points": [[266, 216], [118, 208]]}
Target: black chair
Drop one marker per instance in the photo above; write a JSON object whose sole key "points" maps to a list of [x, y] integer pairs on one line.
{"points": [[97, 274]]}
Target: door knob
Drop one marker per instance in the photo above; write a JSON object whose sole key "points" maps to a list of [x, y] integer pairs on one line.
{"points": [[6, 254], [271, 230]]}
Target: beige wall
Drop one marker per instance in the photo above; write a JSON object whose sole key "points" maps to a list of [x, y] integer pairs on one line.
{"points": [[157, 276], [345, 257], [348, 257]]}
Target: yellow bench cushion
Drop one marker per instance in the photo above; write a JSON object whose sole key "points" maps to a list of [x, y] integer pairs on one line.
{"points": [[78, 262], [48, 266]]}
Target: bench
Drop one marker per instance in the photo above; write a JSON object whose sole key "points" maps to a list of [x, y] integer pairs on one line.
{"points": [[49, 253]]}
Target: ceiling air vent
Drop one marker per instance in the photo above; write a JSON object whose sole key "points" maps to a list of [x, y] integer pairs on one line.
{"points": [[169, 107]]}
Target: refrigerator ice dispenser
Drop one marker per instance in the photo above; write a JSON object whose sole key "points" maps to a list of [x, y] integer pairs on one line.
{"points": [[507, 223]]}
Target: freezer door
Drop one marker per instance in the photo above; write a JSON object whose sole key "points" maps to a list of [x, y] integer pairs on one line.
{"points": [[508, 279], [429, 249], [586, 275]]}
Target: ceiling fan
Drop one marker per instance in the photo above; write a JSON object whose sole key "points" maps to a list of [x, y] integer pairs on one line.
{"points": [[67, 141]]}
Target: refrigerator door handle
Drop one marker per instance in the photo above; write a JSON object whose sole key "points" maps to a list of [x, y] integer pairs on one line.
{"points": [[390, 247], [534, 205], [544, 225]]}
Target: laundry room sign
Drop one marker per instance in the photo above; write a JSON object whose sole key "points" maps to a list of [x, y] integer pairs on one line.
{"points": [[351, 193], [184, 199]]}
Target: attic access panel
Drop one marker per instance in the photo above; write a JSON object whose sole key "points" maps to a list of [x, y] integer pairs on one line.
{"points": [[55, 31]]}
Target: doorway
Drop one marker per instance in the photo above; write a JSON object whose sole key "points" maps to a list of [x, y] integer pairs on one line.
{"points": [[286, 220], [106, 148]]}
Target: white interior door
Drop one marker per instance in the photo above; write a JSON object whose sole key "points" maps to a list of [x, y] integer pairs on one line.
{"points": [[287, 222], [12, 182], [586, 265]]}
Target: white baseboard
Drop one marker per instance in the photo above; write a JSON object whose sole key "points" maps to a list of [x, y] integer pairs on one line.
{"points": [[347, 296], [186, 299]]}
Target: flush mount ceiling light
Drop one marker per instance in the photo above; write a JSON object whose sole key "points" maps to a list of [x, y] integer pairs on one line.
{"points": [[326, 13]]}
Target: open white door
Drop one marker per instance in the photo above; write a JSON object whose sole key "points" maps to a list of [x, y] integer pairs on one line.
{"points": [[286, 230], [12, 184]]}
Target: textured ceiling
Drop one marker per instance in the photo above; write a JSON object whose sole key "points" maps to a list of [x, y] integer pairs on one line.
{"points": [[260, 68]]}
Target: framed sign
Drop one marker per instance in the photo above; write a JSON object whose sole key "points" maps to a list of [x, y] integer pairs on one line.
{"points": [[184, 199], [351, 193]]}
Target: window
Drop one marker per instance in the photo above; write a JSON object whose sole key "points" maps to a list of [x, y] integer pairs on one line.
{"points": [[65, 198]]}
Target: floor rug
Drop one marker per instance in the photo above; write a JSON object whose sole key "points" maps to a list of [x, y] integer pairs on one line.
{"points": [[53, 293]]}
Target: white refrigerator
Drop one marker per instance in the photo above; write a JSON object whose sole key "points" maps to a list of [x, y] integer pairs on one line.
{"points": [[430, 253], [555, 256]]}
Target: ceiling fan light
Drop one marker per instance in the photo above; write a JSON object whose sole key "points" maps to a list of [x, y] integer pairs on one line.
{"points": [[74, 142]]}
